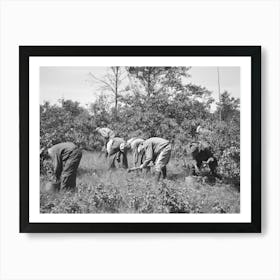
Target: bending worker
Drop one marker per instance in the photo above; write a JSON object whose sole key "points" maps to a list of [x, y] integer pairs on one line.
{"points": [[107, 134], [66, 158], [117, 151], [133, 144], [157, 150], [201, 154]]}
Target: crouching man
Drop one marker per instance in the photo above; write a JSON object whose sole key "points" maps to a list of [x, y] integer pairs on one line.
{"points": [[202, 155], [117, 151], [66, 158], [158, 151]]}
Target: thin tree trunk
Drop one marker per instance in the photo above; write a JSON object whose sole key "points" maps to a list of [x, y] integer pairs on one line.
{"points": [[219, 90]]}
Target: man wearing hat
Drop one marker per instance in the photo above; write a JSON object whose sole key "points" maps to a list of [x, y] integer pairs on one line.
{"points": [[157, 150], [117, 151], [66, 158]]}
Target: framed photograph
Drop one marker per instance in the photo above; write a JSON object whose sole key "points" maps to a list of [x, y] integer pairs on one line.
{"points": [[140, 139]]}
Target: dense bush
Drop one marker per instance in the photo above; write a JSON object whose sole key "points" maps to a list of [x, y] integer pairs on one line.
{"points": [[68, 122], [229, 165]]}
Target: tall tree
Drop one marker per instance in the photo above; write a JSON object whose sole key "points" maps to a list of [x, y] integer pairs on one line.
{"points": [[112, 82], [228, 107], [159, 79], [71, 106]]}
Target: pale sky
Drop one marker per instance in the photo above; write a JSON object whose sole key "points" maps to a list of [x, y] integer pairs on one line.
{"points": [[72, 82]]}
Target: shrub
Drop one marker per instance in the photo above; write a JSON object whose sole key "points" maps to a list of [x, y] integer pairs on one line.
{"points": [[229, 165]]}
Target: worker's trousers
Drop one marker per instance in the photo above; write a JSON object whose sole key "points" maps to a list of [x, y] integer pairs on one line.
{"points": [[69, 172]]}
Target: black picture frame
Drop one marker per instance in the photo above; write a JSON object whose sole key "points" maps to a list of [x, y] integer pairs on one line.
{"points": [[254, 52]]}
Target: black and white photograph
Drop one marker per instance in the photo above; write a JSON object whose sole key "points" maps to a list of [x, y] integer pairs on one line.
{"points": [[134, 135], [137, 139]]}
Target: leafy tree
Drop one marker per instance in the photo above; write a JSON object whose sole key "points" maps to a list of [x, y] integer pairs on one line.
{"points": [[156, 80], [100, 110], [228, 107], [64, 123], [73, 107]]}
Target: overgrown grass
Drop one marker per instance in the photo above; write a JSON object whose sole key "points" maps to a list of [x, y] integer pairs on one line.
{"points": [[101, 191]]}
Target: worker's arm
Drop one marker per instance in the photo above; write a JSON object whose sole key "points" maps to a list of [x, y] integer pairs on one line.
{"points": [[196, 167], [209, 160], [149, 156]]}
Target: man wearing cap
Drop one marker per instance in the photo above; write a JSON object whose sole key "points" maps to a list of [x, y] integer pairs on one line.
{"points": [[66, 158], [133, 144], [117, 150], [157, 150]]}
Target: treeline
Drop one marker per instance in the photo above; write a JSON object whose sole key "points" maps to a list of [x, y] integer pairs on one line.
{"points": [[157, 101]]}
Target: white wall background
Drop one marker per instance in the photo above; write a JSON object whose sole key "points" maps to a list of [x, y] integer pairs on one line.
{"points": [[139, 256]]}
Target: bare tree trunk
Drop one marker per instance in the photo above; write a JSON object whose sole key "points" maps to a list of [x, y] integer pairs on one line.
{"points": [[111, 82], [219, 90]]}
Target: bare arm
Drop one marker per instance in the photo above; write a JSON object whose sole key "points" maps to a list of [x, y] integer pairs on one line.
{"points": [[210, 160], [196, 168]]}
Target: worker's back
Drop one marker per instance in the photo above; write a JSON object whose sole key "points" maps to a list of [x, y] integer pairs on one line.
{"points": [[156, 143], [62, 149], [135, 143], [201, 151]]}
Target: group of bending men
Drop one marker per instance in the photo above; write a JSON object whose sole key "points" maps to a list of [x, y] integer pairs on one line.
{"points": [[66, 156], [155, 149]]}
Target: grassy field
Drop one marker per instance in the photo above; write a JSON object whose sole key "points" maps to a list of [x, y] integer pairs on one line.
{"points": [[101, 191]]}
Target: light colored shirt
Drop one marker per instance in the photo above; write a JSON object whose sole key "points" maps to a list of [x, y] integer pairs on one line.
{"points": [[106, 132], [115, 145], [135, 142], [153, 147]]}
